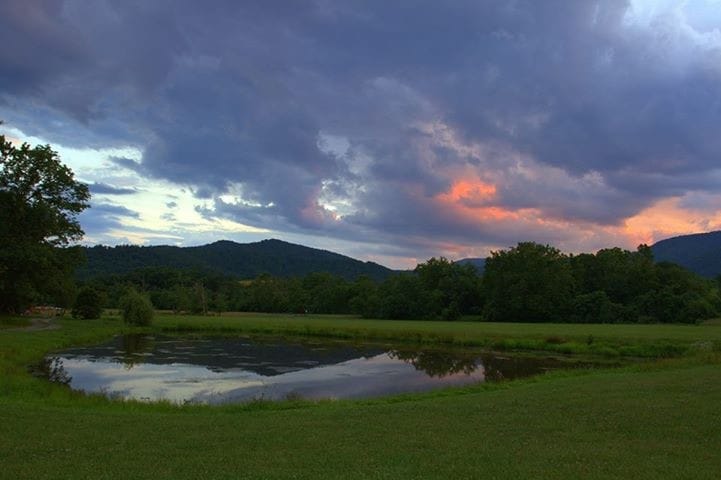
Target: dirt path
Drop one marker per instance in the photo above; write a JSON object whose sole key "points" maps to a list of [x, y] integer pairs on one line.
{"points": [[37, 324]]}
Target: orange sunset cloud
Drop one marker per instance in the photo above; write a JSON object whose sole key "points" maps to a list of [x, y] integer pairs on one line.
{"points": [[667, 218], [469, 190], [470, 199]]}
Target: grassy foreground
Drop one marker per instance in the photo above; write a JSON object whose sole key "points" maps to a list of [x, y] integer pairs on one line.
{"points": [[13, 321], [658, 420]]}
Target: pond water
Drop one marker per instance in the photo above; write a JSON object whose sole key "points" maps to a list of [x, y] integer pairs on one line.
{"points": [[222, 370]]}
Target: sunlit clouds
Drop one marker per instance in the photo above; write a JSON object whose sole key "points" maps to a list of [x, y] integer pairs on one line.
{"points": [[670, 217], [389, 131]]}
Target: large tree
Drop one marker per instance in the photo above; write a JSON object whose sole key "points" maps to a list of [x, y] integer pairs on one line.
{"points": [[450, 289], [528, 283], [39, 204]]}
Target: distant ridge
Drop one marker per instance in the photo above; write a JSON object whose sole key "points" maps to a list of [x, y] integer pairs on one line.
{"points": [[479, 263], [242, 260], [698, 252]]}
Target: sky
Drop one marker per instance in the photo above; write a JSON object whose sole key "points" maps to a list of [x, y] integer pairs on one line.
{"points": [[387, 131]]}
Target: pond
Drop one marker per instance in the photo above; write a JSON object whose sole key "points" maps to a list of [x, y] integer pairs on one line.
{"points": [[230, 370]]}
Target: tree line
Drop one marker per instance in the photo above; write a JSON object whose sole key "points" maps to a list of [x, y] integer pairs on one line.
{"points": [[527, 283], [437, 289], [538, 283]]}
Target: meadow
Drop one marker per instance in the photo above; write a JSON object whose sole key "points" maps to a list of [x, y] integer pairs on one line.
{"points": [[656, 419]]}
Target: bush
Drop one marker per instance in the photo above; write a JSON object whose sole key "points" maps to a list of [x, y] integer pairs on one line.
{"points": [[589, 307], [136, 309], [88, 304]]}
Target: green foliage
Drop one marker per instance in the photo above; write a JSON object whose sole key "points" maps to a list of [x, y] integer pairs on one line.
{"points": [[202, 292], [590, 307], [225, 258], [528, 283], [401, 297], [638, 290], [365, 299], [535, 283], [622, 274], [436, 290], [39, 203], [326, 293], [136, 309], [450, 289], [88, 304]]}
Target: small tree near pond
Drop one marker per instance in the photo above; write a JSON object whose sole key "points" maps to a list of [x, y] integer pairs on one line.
{"points": [[88, 304], [136, 309]]}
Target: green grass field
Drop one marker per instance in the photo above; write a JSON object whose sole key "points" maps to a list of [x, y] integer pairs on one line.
{"points": [[653, 420], [613, 340], [13, 322]]}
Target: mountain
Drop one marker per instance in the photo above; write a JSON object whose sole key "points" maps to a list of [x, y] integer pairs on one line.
{"points": [[479, 263], [242, 260], [700, 252]]}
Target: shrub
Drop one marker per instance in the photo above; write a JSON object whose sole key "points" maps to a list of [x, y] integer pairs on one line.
{"points": [[589, 307], [136, 308], [88, 304]]}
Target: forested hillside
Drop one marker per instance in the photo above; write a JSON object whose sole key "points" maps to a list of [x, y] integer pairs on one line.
{"points": [[246, 260], [700, 253]]}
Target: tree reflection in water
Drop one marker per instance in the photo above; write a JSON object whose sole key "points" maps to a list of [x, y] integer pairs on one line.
{"points": [[437, 363], [134, 347], [499, 367], [220, 369], [496, 367], [53, 369]]}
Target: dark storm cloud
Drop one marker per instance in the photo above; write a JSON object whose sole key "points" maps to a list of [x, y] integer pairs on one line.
{"points": [[128, 163], [578, 114], [32, 28]]}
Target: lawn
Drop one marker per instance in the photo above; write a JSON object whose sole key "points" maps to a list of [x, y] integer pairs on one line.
{"points": [[606, 339], [14, 321], [654, 420]]}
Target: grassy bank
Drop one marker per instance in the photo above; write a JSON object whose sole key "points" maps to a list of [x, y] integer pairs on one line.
{"points": [[603, 339], [659, 420]]}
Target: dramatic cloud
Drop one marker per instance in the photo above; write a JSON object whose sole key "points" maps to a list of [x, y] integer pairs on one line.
{"points": [[105, 189], [395, 129]]}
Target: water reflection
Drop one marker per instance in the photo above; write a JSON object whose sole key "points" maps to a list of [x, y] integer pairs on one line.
{"points": [[135, 347], [53, 369], [438, 363], [219, 370]]}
